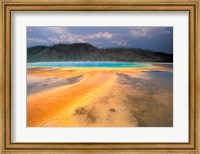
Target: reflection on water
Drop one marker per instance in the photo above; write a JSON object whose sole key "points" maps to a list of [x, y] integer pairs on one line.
{"points": [[164, 79], [150, 99]]}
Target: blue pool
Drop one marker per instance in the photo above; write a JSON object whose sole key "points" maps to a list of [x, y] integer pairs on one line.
{"points": [[88, 64]]}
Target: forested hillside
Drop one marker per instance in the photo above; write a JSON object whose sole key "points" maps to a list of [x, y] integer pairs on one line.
{"points": [[87, 52]]}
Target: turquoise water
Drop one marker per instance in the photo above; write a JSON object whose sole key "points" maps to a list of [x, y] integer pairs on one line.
{"points": [[87, 64]]}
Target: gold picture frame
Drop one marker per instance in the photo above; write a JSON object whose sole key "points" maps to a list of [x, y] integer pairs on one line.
{"points": [[7, 6]]}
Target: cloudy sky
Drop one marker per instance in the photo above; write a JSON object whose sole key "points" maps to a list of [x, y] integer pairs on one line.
{"points": [[153, 38]]}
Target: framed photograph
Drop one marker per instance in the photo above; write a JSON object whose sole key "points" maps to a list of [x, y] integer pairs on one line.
{"points": [[100, 76]]}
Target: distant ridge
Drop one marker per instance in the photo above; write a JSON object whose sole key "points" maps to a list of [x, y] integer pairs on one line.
{"points": [[87, 52]]}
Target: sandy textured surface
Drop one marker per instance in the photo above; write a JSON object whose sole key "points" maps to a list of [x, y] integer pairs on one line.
{"points": [[104, 97]]}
